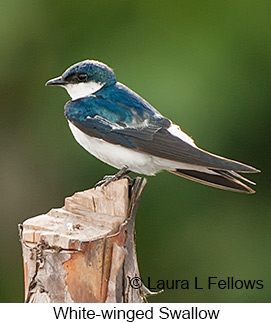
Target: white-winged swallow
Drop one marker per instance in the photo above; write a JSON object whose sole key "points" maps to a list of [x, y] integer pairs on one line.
{"points": [[119, 127]]}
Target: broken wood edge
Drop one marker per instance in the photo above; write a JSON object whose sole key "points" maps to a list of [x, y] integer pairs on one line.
{"points": [[136, 193], [126, 256], [132, 292]]}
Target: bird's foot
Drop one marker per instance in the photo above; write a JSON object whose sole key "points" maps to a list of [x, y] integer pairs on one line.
{"points": [[111, 178]]}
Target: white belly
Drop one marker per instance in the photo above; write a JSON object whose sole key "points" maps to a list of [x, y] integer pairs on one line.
{"points": [[118, 156], [115, 155]]}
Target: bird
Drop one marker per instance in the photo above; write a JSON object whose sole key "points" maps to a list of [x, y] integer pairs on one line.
{"points": [[122, 129]]}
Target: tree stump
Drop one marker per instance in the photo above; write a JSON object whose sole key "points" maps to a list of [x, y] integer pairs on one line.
{"points": [[85, 251]]}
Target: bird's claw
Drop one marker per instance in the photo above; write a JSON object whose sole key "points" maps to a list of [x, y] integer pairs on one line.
{"points": [[111, 178], [105, 181]]}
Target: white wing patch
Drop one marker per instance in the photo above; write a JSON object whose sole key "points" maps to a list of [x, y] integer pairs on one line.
{"points": [[176, 131]]}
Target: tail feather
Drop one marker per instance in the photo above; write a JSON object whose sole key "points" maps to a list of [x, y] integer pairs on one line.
{"points": [[233, 175], [227, 180]]}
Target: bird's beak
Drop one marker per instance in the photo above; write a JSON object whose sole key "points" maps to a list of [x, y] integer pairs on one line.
{"points": [[56, 81]]}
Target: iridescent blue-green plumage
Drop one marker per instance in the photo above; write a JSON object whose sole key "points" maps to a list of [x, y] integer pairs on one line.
{"points": [[120, 116], [110, 115], [98, 72]]}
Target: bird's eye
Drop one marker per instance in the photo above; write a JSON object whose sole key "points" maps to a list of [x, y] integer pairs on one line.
{"points": [[82, 77]]}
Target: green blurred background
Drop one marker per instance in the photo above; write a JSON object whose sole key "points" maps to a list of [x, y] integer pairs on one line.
{"points": [[204, 64]]}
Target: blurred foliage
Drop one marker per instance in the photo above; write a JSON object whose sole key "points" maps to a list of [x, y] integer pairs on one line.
{"points": [[204, 64]]}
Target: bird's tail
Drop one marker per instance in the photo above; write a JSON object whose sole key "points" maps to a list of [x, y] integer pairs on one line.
{"points": [[224, 179]]}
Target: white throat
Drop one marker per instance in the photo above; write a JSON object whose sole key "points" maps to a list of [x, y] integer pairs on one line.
{"points": [[80, 90]]}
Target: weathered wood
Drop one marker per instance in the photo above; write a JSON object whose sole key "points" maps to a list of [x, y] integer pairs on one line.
{"points": [[85, 251]]}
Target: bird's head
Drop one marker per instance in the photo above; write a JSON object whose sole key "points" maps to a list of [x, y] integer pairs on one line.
{"points": [[85, 78]]}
